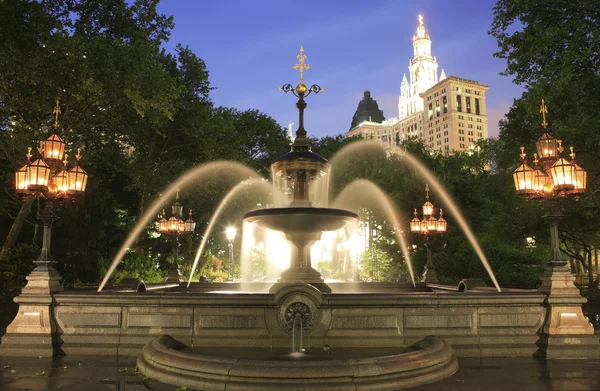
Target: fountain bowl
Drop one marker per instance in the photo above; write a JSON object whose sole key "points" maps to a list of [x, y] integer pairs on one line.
{"points": [[301, 219], [169, 361]]}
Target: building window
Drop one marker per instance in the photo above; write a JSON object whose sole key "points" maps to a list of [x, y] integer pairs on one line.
{"points": [[445, 104], [437, 108], [477, 106], [430, 111], [459, 103], [468, 102]]}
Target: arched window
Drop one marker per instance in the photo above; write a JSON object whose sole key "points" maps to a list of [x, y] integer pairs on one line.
{"points": [[459, 103]]}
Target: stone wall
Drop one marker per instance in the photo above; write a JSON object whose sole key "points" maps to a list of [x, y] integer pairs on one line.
{"points": [[473, 323]]}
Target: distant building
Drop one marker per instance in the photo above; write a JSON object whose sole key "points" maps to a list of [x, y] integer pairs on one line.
{"points": [[367, 110], [447, 113]]}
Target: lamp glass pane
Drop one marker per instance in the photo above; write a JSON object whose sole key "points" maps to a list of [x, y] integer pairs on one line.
{"points": [[21, 182], [563, 174], [54, 147], [38, 173]]}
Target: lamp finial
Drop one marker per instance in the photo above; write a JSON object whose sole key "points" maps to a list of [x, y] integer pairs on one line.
{"points": [[544, 111], [56, 113]]}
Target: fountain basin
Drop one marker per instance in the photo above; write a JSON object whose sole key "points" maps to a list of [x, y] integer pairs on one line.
{"points": [[169, 361], [301, 219]]}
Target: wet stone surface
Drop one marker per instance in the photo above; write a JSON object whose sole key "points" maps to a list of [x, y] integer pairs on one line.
{"points": [[98, 373]]}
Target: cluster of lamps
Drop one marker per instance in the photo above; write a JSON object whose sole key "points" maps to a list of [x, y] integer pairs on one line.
{"points": [[429, 225], [560, 176], [49, 173], [175, 226]]}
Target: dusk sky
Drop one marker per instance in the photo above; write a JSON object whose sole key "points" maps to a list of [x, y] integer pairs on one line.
{"points": [[250, 47]]}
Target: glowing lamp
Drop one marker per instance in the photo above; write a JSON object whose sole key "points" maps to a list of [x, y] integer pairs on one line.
{"points": [[177, 208], [77, 179], [190, 225], [61, 180], [53, 147], [431, 224], [539, 180], [442, 224], [523, 176], [163, 224], [230, 233], [21, 182], [427, 209], [563, 174], [547, 147], [415, 223], [424, 226], [38, 173], [580, 179], [173, 225]]}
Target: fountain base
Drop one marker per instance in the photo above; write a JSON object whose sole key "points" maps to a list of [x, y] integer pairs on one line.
{"points": [[169, 361], [301, 275]]}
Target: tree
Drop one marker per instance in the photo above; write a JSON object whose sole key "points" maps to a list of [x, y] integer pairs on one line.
{"points": [[553, 49]]}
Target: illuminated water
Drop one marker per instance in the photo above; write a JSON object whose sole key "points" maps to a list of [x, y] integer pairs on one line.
{"points": [[364, 193], [190, 177], [349, 150]]}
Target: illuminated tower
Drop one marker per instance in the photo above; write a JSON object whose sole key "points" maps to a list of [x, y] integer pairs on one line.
{"points": [[423, 73]]}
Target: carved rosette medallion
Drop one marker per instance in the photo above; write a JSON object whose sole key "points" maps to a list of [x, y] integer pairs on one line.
{"points": [[294, 305]]}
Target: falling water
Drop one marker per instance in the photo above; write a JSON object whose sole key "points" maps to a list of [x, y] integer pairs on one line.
{"points": [[191, 176], [359, 193], [297, 334], [255, 184], [437, 187]]}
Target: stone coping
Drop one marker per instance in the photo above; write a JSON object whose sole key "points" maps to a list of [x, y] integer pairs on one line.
{"points": [[169, 361], [239, 299]]}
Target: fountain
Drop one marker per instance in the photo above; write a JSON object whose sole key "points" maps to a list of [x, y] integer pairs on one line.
{"points": [[300, 332]]}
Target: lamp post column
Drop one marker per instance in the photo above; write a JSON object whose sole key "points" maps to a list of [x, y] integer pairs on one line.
{"points": [[230, 268], [430, 275], [174, 274]]}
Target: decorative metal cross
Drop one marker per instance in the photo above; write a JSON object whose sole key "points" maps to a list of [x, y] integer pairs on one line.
{"points": [[427, 191], [301, 66], [544, 111]]}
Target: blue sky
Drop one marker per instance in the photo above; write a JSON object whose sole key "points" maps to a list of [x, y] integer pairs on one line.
{"points": [[250, 47]]}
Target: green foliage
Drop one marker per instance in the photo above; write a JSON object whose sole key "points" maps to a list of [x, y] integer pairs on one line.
{"points": [[143, 265], [13, 270], [384, 265]]}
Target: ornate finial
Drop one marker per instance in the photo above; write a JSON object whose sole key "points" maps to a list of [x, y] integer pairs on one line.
{"points": [[177, 195], [572, 153], [427, 191], [523, 154], [66, 159], [28, 154], [560, 148], [544, 111], [190, 212], [535, 159], [78, 156], [420, 20], [301, 66], [163, 213], [415, 212], [56, 113], [441, 213]]}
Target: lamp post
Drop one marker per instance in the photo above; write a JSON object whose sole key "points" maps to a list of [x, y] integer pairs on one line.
{"points": [[559, 178], [175, 227], [49, 178], [230, 233], [428, 228]]}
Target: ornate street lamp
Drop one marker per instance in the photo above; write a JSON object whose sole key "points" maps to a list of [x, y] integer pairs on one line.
{"points": [[230, 233], [47, 177], [561, 178], [428, 227], [175, 227]]}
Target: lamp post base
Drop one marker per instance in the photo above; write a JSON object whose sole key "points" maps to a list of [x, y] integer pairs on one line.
{"points": [[33, 331], [174, 274], [430, 276], [565, 325]]}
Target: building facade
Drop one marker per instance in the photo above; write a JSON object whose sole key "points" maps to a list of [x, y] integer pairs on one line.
{"points": [[447, 113]]}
